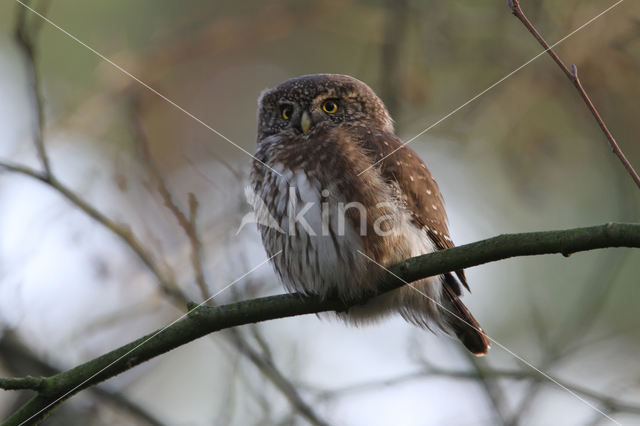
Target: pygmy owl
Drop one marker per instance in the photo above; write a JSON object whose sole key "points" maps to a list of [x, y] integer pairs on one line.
{"points": [[340, 210]]}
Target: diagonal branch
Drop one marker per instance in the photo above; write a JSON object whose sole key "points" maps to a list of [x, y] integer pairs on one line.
{"points": [[16, 357], [122, 231], [204, 320], [25, 38], [572, 74], [186, 222]]}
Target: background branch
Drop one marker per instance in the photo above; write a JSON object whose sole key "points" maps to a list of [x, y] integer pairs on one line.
{"points": [[17, 358], [608, 403], [572, 74], [203, 320], [26, 39]]}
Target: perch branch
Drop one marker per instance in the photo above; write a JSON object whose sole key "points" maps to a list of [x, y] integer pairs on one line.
{"points": [[572, 74], [204, 320]]}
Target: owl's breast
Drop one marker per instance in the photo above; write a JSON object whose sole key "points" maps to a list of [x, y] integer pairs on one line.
{"points": [[317, 242], [331, 219]]}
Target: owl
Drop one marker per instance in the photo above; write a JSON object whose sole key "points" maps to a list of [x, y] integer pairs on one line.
{"points": [[345, 200]]}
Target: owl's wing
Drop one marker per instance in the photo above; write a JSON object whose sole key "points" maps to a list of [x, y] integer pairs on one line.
{"points": [[419, 191]]}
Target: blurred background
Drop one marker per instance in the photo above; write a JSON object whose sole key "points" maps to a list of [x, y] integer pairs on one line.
{"points": [[525, 156]]}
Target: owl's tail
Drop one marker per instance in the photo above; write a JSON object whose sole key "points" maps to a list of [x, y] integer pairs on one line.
{"points": [[463, 324]]}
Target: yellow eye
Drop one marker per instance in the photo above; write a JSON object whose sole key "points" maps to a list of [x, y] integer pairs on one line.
{"points": [[330, 107], [286, 112]]}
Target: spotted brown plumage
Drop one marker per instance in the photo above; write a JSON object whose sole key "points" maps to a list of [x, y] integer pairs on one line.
{"points": [[339, 218]]}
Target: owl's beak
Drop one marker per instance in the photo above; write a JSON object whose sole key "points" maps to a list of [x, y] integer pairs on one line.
{"points": [[305, 122]]}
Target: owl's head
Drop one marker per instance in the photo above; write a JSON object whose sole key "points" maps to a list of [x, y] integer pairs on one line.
{"points": [[308, 104]]}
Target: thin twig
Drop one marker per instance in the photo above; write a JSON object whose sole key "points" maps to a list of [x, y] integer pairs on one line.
{"points": [[493, 389], [25, 39], [576, 326], [21, 383], [610, 403], [188, 224], [123, 232], [395, 30], [572, 74], [268, 369], [16, 357]]}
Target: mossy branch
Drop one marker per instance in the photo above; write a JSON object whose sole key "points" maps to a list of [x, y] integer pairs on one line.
{"points": [[203, 320]]}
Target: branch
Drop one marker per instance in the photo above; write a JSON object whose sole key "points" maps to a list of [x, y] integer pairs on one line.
{"points": [[20, 383], [565, 242], [16, 357], [277, 378], [493, 391], [605, 400], [203, 320], [572, 74], [574, 328], [25, 39], [187, 223], [609, 403], [123, 232]]}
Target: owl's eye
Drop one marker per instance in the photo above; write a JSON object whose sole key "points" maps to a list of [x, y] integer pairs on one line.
{"points": [[286, 111], [330, 107]]}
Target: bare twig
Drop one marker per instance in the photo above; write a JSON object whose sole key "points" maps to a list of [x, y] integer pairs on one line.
{"points": [[25, 39], [492, 388], [610, 404], [21, 383], [266, 366], [576, 326], [18, 358], [123, 232], [188, 224], [395, 29], [572, 74]]}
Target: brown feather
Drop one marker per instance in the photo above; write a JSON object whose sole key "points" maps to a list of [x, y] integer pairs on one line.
{"points": [[420, 190], [464, 325]]}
